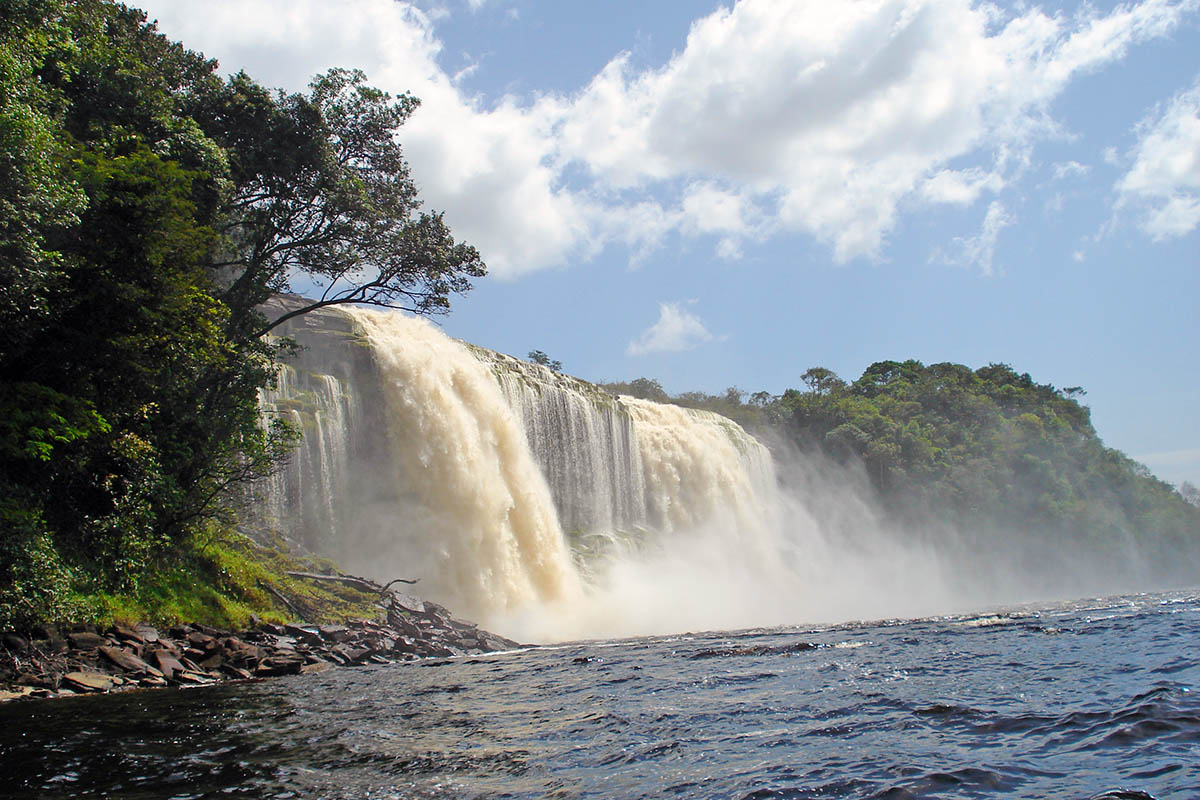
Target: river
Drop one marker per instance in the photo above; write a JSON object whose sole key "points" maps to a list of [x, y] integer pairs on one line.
{"points": [[1054, 701]]}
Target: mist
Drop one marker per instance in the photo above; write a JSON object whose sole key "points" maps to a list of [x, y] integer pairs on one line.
{"points": [[548, 510]]}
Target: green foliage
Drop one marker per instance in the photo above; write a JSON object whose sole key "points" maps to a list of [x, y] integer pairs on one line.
{"points": [[319, 186], [538, 357], [985, 447], [147, 207]]}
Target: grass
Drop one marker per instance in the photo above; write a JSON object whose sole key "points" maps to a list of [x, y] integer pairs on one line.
{"points": [[225, 581]]}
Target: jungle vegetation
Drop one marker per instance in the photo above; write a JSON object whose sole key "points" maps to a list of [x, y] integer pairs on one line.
{"points": [[148, 206]]}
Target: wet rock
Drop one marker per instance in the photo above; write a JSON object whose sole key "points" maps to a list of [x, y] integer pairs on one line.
{"points": [[88, 681], [306, 634], [279, 665], [142, 655], [315, 667], [194, 678], [334, 633], [168, 665], [127, 661], [237, 673]]}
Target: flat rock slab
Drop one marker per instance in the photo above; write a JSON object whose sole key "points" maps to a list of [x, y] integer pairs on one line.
{"points": [[168, 664], [127, 661], [89, 681]]}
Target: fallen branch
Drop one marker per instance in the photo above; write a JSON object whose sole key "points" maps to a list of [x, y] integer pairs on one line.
{"points": [[283, 599], [394, 581], [350, 580]]}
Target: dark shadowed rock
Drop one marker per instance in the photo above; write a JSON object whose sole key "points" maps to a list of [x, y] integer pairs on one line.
{"points": [[127, 634], [202, 641], [86, 640], [15, 644], [334, 633]]}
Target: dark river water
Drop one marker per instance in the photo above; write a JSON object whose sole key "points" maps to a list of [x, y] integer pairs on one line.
{"points": [[1058, 701]]}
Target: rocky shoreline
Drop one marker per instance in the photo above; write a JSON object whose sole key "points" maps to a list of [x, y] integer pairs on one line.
{"points": [[87, 660]]}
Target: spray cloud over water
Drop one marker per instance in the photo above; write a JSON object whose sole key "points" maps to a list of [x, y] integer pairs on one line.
{"points": [[546, 508]]}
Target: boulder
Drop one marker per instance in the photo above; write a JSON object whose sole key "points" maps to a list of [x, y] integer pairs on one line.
{"points": [[86, 640], [128, 634], [334, 633], [148, 633], [279, 665], [128, 661], [305, 633], [15, 644]]}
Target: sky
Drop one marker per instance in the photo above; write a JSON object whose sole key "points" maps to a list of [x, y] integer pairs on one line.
{"points": [[715, 194]]}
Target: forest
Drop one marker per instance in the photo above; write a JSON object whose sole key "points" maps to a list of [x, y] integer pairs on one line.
{"points": [[148, 207]]}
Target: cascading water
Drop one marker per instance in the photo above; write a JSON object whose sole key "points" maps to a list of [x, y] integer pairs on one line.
{"points": [[325, 412], [584, 442], [477, 473]]}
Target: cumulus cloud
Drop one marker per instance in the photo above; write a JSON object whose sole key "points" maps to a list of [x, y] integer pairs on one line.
{"points": [[776, 116], [487, 167], [1164, 181], [676, 329]]}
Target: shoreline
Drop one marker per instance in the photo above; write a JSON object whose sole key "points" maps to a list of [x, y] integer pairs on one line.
{"points": [[87, 660]]}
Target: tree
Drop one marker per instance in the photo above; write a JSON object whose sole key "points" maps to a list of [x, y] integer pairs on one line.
{"points": [[821, 380], [538, 357], [147, 208], [320, 191]]}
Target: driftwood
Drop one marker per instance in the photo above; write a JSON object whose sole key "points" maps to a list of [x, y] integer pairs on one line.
{"points": [[349, 580], [283, 599]]}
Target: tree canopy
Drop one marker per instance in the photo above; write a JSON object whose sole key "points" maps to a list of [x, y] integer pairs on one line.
{"points": [[989, 447], [148, 207]]}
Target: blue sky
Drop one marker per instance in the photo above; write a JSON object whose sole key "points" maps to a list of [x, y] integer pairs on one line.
{"points": [[724, 195]]}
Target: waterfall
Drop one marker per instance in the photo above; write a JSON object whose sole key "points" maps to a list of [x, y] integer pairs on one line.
{"points": [[325, 412], [583, 440], [519, 496]]}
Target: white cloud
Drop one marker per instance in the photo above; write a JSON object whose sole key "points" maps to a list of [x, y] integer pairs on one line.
{"points": [[845, 109], [488, 168], [1164, 181], [676, 329], [1070, 169], [960, 187], [775, 116], [980, 250]]}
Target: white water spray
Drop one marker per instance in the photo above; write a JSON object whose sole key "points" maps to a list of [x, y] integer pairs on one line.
{"points": [[545, 508]]}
